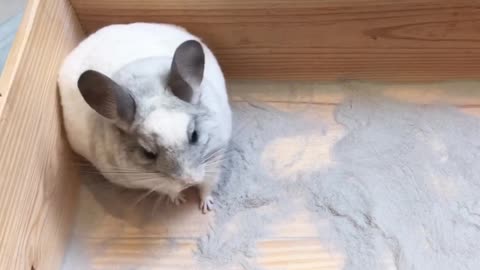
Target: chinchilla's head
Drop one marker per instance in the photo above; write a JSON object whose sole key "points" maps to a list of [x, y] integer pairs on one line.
{"points": [[155, 109]]}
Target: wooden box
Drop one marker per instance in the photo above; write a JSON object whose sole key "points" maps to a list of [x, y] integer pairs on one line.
{"points": [[284, 40]]}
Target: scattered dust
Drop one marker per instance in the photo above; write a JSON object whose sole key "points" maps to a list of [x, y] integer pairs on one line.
{"points": [[407, 178], [405, 186], [251, 197]]}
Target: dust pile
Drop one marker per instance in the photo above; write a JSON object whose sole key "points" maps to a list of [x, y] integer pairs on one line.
{"points": [[250, 198], [406, 181], [404, 187]]}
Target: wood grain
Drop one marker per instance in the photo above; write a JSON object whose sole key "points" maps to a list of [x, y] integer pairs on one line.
{"points": [[410, 40], [38, 186], [112, 232], [463, 94]]}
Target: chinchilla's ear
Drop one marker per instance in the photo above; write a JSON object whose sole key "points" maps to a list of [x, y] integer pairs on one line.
{"points": [[106, 97], [186, 72]]}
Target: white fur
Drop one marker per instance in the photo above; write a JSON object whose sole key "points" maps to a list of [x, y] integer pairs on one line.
{"points": [[115, 46], [171, 125]]}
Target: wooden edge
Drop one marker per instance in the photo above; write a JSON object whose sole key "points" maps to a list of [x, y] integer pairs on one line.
{"points": [[38, 182], [382, 40]]}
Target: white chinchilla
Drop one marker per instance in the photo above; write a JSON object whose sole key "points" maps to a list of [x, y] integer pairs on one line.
{"points": [[146, 104]]}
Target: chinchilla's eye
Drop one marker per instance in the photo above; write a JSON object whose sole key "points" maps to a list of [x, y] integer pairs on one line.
{"points": [[148, 155], [194, 137]]}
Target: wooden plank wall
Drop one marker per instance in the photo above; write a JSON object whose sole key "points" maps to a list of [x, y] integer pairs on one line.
{"points": [[408, 40], [37, 184]]}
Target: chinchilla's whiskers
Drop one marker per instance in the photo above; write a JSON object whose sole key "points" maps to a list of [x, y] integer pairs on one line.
{"points": [[214, 165], [209, 157], [219, 153], [213, 159], [145, 195], [142, 197], [108, 168], [146, 180], [135, 176], [140, 177], [188, 186], [216, 152], [213, 156], [215, 162], [119, 172], [112, 171]]}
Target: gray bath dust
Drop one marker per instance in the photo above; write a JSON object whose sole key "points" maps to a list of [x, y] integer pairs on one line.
{"points": [[251, 197], [406, 186], [403, 193]]}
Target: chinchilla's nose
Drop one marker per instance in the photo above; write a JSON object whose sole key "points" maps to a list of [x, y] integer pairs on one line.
{"points": [[191, 177]]}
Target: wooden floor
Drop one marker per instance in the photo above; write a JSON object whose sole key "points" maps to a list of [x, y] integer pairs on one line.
{"points": [[114, 233]]}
